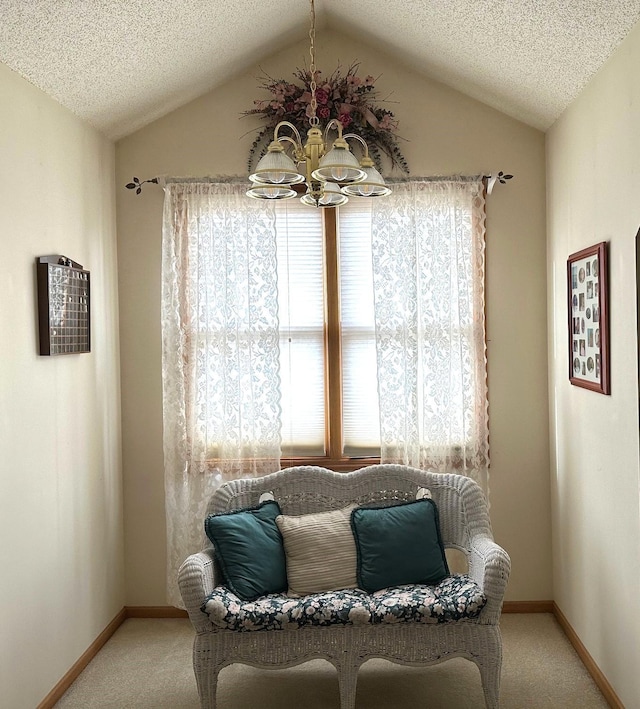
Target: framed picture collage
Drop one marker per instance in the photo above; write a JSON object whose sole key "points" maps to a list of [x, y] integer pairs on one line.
{"points": [[588, 319]]}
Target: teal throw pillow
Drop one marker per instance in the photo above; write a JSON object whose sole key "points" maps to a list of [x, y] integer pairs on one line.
{"points": [[250, 551], [398, 545]]}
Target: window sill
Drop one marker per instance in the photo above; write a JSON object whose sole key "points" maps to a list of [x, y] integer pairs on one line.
{"points": [[340, 465]]}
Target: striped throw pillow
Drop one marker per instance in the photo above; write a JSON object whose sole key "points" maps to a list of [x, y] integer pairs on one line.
{"points": [[320, 551]]}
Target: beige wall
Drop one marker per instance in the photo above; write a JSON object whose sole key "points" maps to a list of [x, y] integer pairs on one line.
{"points": [[593, 180], [61, 556], [447, 133]]}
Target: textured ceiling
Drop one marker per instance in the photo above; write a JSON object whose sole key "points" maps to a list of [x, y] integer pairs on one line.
{"points": [[120, 64]]}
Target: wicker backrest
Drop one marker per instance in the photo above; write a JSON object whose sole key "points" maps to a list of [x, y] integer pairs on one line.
{"points": [[304, 489]]}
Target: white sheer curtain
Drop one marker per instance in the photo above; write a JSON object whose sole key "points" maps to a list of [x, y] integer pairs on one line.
{"points": [[428, 274], [220, 352]]}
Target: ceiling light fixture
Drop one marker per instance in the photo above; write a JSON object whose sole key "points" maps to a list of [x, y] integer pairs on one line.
{"points": [[331, 176]]}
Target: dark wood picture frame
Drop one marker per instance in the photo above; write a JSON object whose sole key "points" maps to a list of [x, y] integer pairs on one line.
{"points": [[64, 307], [588, 305]]}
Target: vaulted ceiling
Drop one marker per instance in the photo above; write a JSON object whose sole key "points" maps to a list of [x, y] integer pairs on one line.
{"points": [[121, 64]]}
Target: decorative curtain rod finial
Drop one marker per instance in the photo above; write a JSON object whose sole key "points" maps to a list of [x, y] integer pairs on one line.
{"points": [[492, 178], [137, 185]]}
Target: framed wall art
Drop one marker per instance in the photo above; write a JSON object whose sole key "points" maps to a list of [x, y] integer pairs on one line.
{"points": [[64, 311], [589, 318]]}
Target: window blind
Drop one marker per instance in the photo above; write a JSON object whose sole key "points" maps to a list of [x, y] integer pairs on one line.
{"points": [[300, 255], [360, 410]]}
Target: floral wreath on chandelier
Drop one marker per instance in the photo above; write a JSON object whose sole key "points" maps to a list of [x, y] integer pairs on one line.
{"points": [[347, 98]]}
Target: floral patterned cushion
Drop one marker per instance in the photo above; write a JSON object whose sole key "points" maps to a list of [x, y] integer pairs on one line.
{"points": [[454, 598], [280, 612]]}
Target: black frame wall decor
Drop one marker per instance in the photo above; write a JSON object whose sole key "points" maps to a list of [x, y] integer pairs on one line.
{"points": [[64, 312], [588, 307]]}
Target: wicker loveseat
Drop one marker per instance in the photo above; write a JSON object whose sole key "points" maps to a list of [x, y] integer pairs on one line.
{"points": [[411, 637]]}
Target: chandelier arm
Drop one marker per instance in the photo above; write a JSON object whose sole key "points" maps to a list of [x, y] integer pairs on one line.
{"points": [[298, 142], [333, 123], [288, 139], [361, 140]]}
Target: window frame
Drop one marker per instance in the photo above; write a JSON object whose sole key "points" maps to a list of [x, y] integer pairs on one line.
{"points": [[334, 457]]}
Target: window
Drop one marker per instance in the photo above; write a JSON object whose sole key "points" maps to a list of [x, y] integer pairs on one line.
{"points": [[425, 356], [325, 336], [327, 332]]}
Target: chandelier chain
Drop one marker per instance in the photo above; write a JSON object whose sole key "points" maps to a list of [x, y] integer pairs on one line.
{"points": [[313, 119]]}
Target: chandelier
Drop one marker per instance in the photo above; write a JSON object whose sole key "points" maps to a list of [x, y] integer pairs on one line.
{"points": [[330, 176]]}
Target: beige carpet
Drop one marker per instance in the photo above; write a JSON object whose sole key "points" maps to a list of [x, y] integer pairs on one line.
{"points": [[147, 665]]}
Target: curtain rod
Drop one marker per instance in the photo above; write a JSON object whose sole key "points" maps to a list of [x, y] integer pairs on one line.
{"points": [[491, 179]]}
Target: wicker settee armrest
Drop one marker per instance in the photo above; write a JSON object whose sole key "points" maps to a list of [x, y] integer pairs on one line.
{"points": [[489, 566], [197, 579]]}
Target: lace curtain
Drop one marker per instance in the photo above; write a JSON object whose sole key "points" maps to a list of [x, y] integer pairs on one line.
{"points": [[220, 352], [428, 273], [220, 340]]}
